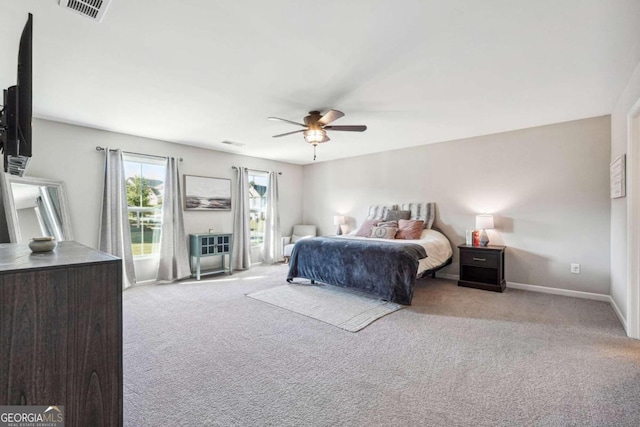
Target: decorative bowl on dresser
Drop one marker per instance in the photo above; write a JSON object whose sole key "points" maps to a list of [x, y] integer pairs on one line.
{"points": [[482, 267], [42, 244]]}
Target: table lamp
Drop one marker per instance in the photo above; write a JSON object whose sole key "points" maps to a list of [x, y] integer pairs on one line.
{"points": [[483, 222], [339, 221]]}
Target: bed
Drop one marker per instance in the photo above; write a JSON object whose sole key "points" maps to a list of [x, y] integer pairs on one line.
{"points": [[385, 268]]}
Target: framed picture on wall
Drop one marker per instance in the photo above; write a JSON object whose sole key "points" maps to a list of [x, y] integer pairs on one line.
{"points": [[203, 193], [618, 177]]}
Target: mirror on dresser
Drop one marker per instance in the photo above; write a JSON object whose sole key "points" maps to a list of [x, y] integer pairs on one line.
{"points": [[35, 207]]}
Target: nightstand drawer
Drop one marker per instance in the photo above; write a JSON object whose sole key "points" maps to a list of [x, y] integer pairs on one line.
{"points": [[480, 258]]}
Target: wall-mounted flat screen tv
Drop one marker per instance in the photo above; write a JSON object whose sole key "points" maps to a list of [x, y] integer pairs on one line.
{"points": [[15, 118]]}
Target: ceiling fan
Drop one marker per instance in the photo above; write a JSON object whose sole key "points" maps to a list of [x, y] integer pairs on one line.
{"points": [[316, 126]]}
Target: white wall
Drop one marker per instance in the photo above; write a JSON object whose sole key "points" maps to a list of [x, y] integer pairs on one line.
{"points": [[67, 152], [548, 187], [619, 136]]}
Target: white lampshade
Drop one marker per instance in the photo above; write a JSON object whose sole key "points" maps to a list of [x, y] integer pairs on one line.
{"points": [[484, 221], [338, 220]]}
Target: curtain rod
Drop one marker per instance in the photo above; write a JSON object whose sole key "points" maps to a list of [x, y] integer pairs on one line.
{"points": [[257, 170], [98, 148]]}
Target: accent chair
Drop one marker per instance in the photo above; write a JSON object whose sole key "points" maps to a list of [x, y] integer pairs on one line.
{"points": [[299, 232]]}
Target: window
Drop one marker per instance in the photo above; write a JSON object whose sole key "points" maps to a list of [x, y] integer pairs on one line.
{"points": [[258, 184], [144, 179]]}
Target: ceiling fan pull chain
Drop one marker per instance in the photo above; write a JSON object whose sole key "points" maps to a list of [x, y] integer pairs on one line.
{"points": [[314, 153]]}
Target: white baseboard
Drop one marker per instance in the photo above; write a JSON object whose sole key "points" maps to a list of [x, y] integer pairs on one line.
{"points": [[618, 313], [558, 291]]}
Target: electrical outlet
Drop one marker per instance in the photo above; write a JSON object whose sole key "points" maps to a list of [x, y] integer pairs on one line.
{"points": [[575, 268]]}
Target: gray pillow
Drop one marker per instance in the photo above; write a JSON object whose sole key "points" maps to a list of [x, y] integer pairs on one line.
{"points": [[397, 215]]}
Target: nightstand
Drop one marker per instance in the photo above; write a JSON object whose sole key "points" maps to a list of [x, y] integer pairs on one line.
{"points": [[482, 267]]}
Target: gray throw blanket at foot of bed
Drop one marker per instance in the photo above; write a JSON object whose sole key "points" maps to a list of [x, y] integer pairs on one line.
{"points": [[384, 269]]}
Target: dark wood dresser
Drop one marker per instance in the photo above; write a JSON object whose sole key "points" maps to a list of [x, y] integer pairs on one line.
{"points": [[61, 331]]}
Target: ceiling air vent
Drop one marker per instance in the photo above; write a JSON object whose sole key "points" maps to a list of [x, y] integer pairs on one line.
{"points": [[92, 9]]}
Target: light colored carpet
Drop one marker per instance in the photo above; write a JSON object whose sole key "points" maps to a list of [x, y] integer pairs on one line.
{"points": [[343, 308], [203, 354]]}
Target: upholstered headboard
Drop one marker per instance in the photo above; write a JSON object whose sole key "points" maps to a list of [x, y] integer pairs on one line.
{"points": [[379, 211], [424, 211]]}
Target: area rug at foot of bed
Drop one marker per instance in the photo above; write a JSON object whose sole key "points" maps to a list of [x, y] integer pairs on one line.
{"points": [[339, 307]]}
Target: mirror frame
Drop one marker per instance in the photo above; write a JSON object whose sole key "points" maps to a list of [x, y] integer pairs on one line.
{"points": [[11, 214]]}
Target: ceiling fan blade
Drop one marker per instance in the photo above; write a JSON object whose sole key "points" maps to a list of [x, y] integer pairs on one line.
{"points": [[350, 128], [330, 116], [278, 119], [288, 133]]}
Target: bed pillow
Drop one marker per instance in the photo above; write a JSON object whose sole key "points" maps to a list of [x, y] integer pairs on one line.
{"points": [[388, 224], [384, 232], [366, 227], [379, 211], [409, 229], [425, 211], [397, 215]]}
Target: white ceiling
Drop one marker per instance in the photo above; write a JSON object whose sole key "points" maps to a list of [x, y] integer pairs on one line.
{"points": [[200, 72]]}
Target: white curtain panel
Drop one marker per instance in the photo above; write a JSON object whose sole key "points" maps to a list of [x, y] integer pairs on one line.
{"points": [[174, 257], [272, 249], [241, 233], [115, 234]]}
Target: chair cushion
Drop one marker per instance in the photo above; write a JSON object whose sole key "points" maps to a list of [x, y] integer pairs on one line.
{"points": [[286, 251], [299, 232], [295, 237], [303, 230]]}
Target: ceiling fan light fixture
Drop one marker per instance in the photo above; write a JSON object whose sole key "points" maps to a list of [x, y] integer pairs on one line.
{"points": [[316, 126], [314, 136]]}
